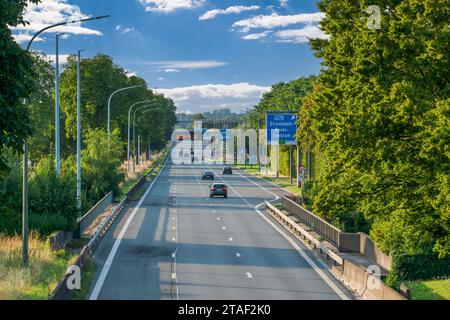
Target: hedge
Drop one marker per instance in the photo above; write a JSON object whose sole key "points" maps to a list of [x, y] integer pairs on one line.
{"points": [[418, 267]]}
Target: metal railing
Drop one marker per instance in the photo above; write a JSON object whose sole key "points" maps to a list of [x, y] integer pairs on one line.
{"points": [[325, 229], [86, 221]]}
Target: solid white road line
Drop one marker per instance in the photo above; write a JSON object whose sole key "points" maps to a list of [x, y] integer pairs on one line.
{"points": [[101, 279], [313, 265]]}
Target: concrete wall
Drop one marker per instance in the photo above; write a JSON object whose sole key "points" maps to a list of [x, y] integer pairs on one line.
{"points": [[92, 214], [369, 249], [349, 242]]}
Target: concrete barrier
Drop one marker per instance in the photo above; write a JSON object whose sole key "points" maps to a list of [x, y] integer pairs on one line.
{"points": [[86, 221], [355, 277], [370, 250], [367, 285]]}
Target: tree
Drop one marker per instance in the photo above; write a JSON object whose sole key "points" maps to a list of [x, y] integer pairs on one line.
{"points": [[379, 118], [41, 109], [16, 79]]}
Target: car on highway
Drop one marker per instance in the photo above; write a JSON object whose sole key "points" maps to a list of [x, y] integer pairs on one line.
{"points": [[218, 189], [227, 170], [208, 175]]}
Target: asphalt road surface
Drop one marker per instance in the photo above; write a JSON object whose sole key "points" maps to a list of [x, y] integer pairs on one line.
{"points": [[177, 243]]}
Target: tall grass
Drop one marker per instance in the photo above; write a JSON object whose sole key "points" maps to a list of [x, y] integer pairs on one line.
{"points": [[39, 279]]}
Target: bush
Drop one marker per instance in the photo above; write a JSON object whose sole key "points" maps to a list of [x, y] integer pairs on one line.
{"points": [[417, 267]]}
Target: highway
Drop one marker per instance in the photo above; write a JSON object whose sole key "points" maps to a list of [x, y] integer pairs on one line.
{"points": [[178, 244]]}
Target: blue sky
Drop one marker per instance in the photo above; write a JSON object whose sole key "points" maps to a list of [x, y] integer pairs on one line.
{"points": [[206, 54]]}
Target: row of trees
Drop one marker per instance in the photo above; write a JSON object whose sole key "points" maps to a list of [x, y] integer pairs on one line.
{"points": [[53, 198], [377, 120]]}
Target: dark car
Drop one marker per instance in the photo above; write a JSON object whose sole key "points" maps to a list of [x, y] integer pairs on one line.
{"points": [[218, 189], [227, 170], [208, 175]]}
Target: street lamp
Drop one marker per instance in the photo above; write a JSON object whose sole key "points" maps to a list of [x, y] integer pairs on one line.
{"points": [[129, 129], [25, 151], [109, 106], [57, 117], [134, 132], [79, 132]]}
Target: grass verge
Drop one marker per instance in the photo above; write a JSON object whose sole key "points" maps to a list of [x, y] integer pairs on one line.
{"points": [[430, 290], [282, 181], [36, 282]]}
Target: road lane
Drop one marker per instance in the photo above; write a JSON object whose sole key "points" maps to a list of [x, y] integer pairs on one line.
{"points": [[183, 245]]}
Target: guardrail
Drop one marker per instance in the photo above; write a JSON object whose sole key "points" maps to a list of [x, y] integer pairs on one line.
{"points": [[93, 213], [62, 292], [305, 234], [325, 229]]}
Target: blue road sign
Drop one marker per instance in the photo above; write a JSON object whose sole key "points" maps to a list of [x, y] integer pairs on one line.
{"points": [[286, 123]]}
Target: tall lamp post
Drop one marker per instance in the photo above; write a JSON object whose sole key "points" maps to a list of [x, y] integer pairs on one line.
{"points": [[134, 129], [79, 132], [57, 116], [25, 150], [129, 129], [109, 106]]}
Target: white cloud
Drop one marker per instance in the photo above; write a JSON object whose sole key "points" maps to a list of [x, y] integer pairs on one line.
{"points": [[169, 70], [52, 58], [168, 6], [192, 65], [275, 20], [301, 35], [25, 37], [161, 78], [238, 96], [124, 30], [256, 36], [50, 12], [230, 10], [284, 3]]}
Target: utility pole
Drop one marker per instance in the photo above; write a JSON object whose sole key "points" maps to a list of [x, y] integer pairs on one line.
{"points": [[79, 133]]}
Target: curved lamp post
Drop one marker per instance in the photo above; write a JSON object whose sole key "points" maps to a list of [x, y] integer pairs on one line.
{"points": [[134, 130], [109, 106], [25, 149]]}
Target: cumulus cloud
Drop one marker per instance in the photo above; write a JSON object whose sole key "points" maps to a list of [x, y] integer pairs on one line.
{"points": [[237, 97], [50, 12], [275, 20], [256, 36], [52, 58], [168, 6], [25, 37], [230, 10], [301, 35]]}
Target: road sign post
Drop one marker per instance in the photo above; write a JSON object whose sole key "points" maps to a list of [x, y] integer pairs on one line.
{"points": [[286, 124]]}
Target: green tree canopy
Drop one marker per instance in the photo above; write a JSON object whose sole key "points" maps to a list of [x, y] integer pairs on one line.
{"points": [[380, 119], [16, 80]]}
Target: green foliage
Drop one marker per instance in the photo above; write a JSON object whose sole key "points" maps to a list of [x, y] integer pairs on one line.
{"points": [[417, 267], [100, 166], [10, 187], [15, 81], [379, 117], [41, 107], [52, 199]]}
